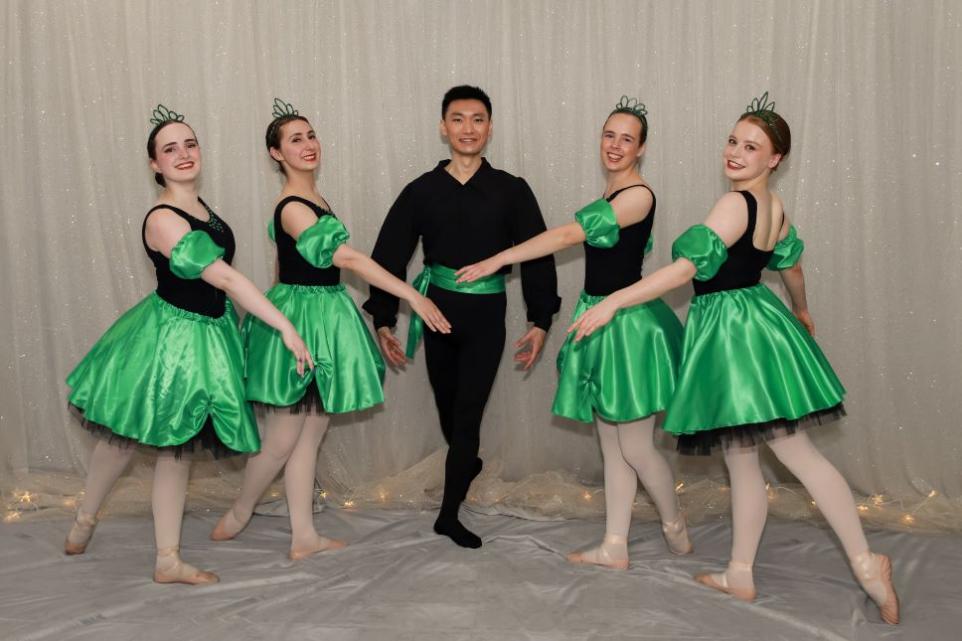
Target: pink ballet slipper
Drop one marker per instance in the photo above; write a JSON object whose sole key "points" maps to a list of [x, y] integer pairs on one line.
{"points": [[227, 527], [676, 536], [612, 553], [171, 569], [323, 544], [874, 573], [80, 533], [721, 582]]}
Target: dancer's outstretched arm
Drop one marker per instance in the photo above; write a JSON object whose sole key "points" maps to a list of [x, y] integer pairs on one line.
{"points": [[728, 219], [165, 229], [630, 207], [348, 258]]}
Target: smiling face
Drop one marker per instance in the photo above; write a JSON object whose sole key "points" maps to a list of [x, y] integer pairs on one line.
{"points": [[749, 153], [621, 145], [176, 153], [467, 126], [298, 147]]}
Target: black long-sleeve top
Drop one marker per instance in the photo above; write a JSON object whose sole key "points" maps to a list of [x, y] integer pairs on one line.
{"points": [[460, 225]]}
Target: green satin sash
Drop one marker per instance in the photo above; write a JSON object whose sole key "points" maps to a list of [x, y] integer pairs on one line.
{"points": [[445, 278]]}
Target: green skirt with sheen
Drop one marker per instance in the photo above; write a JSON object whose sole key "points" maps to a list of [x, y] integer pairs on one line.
{"points": [[623, 372], [160, 375], [348, 369], [748, 364]]}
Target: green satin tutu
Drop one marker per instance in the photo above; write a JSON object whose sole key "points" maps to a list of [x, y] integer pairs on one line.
{"points": [[162, 375], [748, 362], [348, 368], [623, 372]]}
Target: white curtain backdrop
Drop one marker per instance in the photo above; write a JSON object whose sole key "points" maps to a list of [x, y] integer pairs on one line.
{"points": [[874, 183]]}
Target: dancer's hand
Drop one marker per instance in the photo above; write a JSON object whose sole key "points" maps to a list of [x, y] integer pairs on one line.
{"points": [[430, 314], [391, 347], [471, 273], [294, 342], [593, 319], [805, 319], [530, 347]]}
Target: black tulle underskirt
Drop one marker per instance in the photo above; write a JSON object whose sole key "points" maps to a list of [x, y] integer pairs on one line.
{"points": [[205, 439], [704, 443]]}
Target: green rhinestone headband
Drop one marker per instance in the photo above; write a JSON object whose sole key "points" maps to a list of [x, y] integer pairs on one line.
{"points": [[282, 109], [761, 108], [632, 106], [162, 114]]}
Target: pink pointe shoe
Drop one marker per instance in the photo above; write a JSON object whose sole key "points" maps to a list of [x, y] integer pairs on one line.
{"points": [[80, 533], [874, 573], [612, 553], [676, 536], [739, 584], [169, 568]]}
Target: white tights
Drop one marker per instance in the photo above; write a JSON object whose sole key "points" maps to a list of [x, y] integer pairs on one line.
{"points": [[291, 442], [168, 496], [629, 454], [750, 501]]}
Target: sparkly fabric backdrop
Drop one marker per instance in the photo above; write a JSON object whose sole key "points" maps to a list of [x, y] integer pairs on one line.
{"points": [[874, 183]]}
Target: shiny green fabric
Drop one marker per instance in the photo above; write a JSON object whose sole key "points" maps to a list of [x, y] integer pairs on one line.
{"points": [[747, 360], [193, 253], [787, 251], [599, 223], [317, 243], [159, 371], [348, 369], [624, 371], [703, 247], [446, 278]]}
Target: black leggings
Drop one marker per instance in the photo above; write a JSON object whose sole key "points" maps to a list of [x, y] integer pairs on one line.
{"points": [[461, 367]]}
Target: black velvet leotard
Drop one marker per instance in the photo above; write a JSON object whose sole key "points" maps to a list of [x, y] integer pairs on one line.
{"points": [[608, 269], [193, 295]]}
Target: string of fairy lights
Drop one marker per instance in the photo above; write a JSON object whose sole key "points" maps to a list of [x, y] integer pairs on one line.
{"points": [[19, 504]]}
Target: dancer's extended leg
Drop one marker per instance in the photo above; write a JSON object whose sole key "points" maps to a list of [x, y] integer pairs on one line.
{"points": [[636, 440], [299, 474], [280, 437], [834, 498], [168, 498], [749, 512], [621, 484], [107, 463]]}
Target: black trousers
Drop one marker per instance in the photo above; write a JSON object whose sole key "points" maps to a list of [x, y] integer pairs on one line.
{"points": [[461, 367]]}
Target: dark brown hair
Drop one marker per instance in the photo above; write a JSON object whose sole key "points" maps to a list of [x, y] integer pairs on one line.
{"points": [[151, 147], [273, 136]]}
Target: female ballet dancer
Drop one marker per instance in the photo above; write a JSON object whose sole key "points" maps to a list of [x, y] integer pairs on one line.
{"points": [[625, 374], [348, 373], [169, 372], [751, 371]]}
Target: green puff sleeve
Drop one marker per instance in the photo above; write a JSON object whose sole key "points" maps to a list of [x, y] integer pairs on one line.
{"points": [[598, 221], [650, 244], [704, 248], [270, 230], [318, 242], [193, 254], [787, 251]]}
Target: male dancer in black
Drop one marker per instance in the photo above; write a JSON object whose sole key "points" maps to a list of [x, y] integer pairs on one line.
{"points": [[463, 211]]}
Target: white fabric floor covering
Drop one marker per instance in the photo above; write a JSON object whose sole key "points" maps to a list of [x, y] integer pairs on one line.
{"points": [[399, 581]]}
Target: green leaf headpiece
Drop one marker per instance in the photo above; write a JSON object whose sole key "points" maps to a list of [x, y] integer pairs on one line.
{"points": [[632, 106], [162, 114]]}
